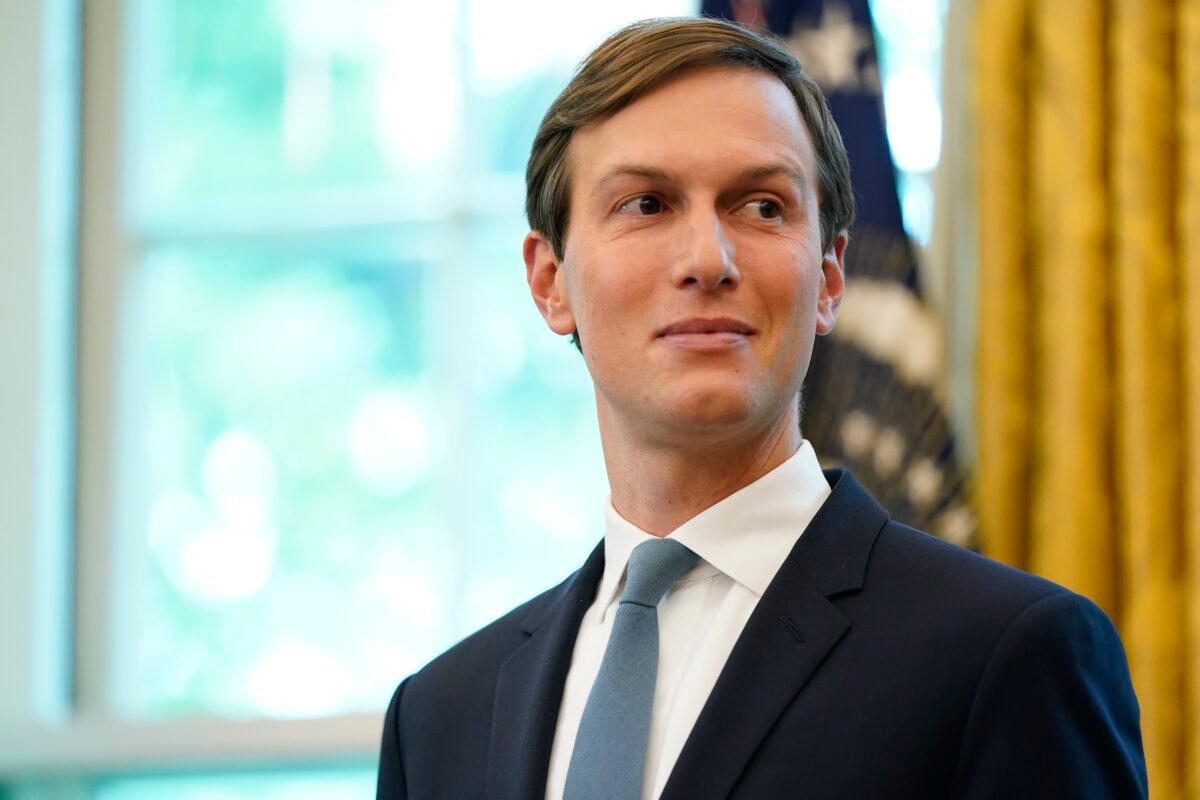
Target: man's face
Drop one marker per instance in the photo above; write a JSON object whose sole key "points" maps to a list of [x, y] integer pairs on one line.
{"points": [[693, 268]]}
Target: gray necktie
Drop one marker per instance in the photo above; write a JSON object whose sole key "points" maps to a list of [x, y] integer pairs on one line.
{"points": [[610, 748]]}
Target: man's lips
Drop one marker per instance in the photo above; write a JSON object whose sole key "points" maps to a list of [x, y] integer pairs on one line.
{"points": [[701, 326], [701, 335]]}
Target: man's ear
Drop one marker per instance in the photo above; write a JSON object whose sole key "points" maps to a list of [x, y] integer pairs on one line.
{"points": [[833, 283], [547, 283]]}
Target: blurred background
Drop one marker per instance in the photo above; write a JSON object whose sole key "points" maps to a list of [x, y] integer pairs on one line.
{"points": [[279, 422]]}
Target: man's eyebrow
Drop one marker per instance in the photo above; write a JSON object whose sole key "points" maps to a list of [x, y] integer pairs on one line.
{"points": [[631, 171], [757, 172], [771, 170]]}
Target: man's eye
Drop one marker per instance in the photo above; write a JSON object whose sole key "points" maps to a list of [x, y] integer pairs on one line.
{"points": [[645, 205], [767, 209]]}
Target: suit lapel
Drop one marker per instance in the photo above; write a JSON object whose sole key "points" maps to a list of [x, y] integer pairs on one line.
{"points": [[529, 689], [792, 630]]}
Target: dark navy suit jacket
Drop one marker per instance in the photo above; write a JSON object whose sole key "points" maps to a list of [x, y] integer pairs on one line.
{"points": [[880, 663]]}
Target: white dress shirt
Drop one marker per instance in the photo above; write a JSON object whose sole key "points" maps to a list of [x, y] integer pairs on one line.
{"points": [[742, 541]]}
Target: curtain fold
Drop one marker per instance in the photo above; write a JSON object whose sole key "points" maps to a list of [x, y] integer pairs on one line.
{"points": [[1146, 317], [1187, 51], [1088, 367], [1070, 542], [1003, 421]]}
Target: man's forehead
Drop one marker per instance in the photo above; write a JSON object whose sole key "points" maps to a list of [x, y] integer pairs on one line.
{"points": [[748, 119]]}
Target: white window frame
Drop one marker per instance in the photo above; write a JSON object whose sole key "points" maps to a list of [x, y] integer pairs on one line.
{"points": [[38, 42]]}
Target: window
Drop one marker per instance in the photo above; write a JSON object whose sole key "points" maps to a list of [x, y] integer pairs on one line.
{"points": [[909, 36], [316, 406]]}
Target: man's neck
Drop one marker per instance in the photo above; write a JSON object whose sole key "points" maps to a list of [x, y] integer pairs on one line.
{"points": [[659, 486]]}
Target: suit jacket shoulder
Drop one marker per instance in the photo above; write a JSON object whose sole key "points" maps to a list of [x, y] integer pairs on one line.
{"points": [[973, 589], [1023, 682]]}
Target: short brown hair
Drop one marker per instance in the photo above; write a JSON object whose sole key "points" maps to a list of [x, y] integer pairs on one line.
{"points": [[646, 54]]}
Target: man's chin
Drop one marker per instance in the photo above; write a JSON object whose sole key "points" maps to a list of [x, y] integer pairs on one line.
{"points": [[717, 409], [717, 406]]}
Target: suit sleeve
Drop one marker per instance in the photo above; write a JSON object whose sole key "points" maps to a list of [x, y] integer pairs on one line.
{"points": [[1054, 713], [390, 784]]}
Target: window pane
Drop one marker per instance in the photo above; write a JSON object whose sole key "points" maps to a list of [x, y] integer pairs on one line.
{"points": [[344, 464], [264, 98], [289, 454], [246, 101]]}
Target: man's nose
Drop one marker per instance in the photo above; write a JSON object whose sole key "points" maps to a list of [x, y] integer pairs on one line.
{"points": [[706, 254]]}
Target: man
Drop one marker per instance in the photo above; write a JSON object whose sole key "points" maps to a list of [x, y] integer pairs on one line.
{"points": [[749, 627]]}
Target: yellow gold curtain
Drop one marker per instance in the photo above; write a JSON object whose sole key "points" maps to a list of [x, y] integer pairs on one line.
{"points": [[1088, 370]]}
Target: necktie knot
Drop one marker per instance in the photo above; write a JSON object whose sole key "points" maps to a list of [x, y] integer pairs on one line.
{"points": [[653, 567]]}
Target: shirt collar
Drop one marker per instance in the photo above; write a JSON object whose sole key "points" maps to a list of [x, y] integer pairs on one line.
{"points": [[746, 536]]}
